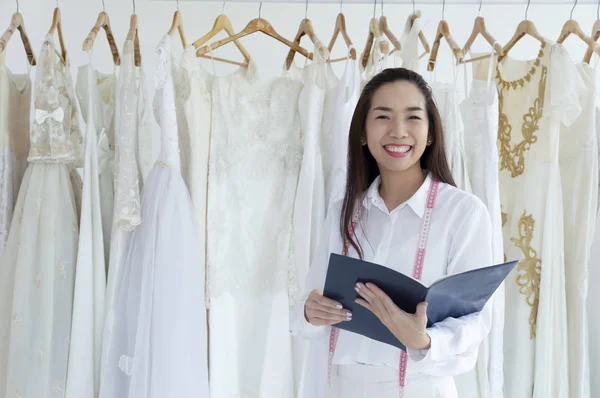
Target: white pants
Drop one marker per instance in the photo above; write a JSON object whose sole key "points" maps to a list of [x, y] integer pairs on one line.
{"points": [[362, 381]]}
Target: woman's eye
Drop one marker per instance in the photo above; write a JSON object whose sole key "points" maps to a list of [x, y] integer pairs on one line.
{"points": [[384, 117], [414, 117]]}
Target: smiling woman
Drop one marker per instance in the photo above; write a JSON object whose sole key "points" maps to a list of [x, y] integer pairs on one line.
{"points": [[399, 195]]}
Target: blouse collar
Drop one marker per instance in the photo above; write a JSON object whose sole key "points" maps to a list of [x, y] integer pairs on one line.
{"points": [[416, 202]]}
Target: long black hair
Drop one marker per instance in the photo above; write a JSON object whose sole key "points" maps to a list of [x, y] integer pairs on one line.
{"points": [[362, 167]]}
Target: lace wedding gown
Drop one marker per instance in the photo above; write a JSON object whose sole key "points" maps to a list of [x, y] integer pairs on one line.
{"points": [[130, 130], [158, 347], [15, 100], [255, 156], [37, 269]]}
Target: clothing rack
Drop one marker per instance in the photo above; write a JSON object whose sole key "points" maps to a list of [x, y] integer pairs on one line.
{"points": [[418, 3]]}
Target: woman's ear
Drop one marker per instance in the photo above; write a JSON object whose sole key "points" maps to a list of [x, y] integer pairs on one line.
{"points": [[363, 139], [429, 141]]}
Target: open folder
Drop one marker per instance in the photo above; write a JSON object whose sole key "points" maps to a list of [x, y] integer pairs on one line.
{"points": [[452, 296]]}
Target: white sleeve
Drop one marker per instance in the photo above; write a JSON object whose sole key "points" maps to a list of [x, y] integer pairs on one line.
{"points": [[329, 241], [564, 86], [455, 341]]}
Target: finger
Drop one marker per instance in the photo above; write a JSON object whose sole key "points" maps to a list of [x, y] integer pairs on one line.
{"points": [[373, 300], [327, 302], [322, 322], [365, 304], [320, 307], [421, 313], [329, 317], [387, 302]]}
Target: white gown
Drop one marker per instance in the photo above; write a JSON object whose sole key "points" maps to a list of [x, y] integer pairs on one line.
{"points": [[129, 119], [340, 102], [37, 269], [255, 157], [594, 280], [531, 111], [194, 107], [480, 117], [159, 345], [579, 175], [83, 377], [97, 95], [15, 100], [409, 53]]}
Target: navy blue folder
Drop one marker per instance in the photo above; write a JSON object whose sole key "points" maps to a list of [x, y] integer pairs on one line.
{"points": [[452, 296]]}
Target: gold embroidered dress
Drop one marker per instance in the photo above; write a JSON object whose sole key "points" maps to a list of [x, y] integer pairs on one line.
{"points": [[530, 114]]}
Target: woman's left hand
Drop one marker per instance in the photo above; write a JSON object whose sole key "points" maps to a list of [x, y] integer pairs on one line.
{"points": [[410, 329]]}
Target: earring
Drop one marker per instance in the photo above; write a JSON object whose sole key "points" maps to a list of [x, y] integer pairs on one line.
{"points": [[363, 141], [429, 141]]}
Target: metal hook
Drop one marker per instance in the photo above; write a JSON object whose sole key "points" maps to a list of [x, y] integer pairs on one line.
{"points": [[598, 11], [133, 6], [306, 10], [479, 11], [341, 4], [374, 7], [177, 5], [572, 9], [259, 9], [382, 8], [414, 7], [527, 9], [443, 9], [103, 6], [17, 5], [223, 7]]}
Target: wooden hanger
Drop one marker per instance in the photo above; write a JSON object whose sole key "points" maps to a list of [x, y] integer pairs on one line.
{"points": [[374, 33], [17, 23], [306, 29], [340, 27], [256, 25], [103, 22], [383, 26], [177, 26], [595, 36], [443, 31], [412, 18], [222, 23], [57, 26], [525, 27], [480, 29], [572, 27], [135, 37]]}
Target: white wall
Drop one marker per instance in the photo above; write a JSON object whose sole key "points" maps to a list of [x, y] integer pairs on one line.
{"points": [[155, 19]]}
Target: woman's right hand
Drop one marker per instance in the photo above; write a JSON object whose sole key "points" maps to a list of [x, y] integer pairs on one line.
{"points": [[322, 311]]}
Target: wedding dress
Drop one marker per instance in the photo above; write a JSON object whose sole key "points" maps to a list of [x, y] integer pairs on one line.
{"points": [[130, 156], [15, 100], [37, 269], [83, 377], [255, 155], [97, 95], [158, 347]]}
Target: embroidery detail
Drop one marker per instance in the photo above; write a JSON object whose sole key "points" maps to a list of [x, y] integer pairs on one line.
{"points": [[529, 270], [506, 85], [504, 218]]}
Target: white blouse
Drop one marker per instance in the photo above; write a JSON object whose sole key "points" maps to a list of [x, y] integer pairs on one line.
{"points": [[459, 240]]}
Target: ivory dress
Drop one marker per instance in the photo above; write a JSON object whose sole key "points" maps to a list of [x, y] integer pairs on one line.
{"points": [[37, 269], [159, 346], [255, 156], [578, 158], [531, 110], [15, 100]]}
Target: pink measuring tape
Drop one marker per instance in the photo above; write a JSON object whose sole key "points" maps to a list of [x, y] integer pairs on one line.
{"points": [[417, 273]]}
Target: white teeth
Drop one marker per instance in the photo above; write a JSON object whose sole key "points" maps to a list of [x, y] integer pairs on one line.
{"points": [[398, 149]]}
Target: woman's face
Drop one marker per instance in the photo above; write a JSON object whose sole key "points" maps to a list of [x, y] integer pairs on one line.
{"points": [[397, 126]]}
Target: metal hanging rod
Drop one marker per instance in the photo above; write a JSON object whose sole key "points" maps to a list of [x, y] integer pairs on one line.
{"points": [[418, 2]]}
